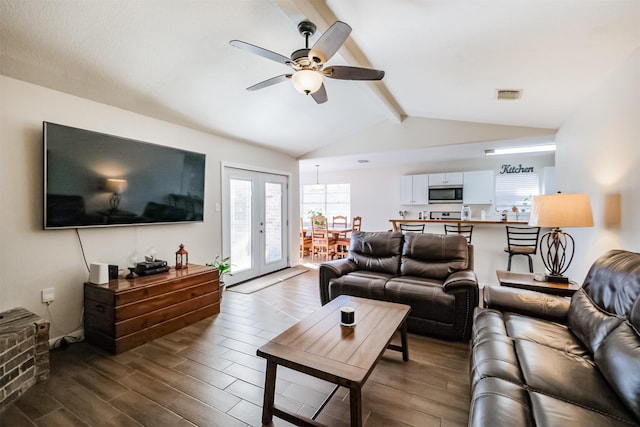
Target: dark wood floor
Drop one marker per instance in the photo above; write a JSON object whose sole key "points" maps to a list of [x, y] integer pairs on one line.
{"points": [[208, 374]]}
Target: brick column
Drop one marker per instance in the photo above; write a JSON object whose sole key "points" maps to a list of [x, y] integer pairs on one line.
{"points": [[24, 353]]}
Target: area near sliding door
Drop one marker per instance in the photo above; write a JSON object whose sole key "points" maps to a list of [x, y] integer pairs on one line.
{"points": [[255, 231]]}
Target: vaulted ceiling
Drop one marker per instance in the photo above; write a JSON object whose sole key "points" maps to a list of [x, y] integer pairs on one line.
{"points": [[443, 60]]}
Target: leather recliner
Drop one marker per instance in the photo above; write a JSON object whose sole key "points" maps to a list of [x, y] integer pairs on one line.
{"points": [[544, 360], [432, 273]]}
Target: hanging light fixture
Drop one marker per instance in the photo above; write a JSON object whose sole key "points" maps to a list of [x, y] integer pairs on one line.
{"points": [[317, 187], [307, 81]]}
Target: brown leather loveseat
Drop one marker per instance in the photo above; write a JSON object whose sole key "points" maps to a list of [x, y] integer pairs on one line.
{"points": [[430, 272], [543, 360]]}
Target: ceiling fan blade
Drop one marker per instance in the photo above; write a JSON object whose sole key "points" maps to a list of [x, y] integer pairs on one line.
{"points": [[260, 51], [320, 96], [329, 43], [343, 72], [270, 82]]}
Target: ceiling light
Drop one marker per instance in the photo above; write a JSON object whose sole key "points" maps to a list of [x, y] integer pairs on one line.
{"points": [[307, 81], [521, 150], [363, 161]]}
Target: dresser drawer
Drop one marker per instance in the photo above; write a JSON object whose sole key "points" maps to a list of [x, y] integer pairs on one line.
{"points": [[164, 314], [164, 286]]}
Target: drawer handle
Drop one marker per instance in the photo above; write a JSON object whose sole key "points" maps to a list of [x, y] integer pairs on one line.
{"points": [[100, 308]]}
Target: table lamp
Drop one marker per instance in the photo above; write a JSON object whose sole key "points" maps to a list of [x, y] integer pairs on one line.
{"points": [[556, 246]]}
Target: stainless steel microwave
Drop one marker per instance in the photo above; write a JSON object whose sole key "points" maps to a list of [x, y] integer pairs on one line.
{"points": [[445, 194]]}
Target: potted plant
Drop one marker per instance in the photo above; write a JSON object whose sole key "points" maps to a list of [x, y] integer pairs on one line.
{"points": [[314, 213], [223, 265]]}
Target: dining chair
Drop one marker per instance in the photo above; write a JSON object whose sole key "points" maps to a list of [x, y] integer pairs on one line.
{"points": [[339, 221], [522, 241], [322, 241], [356, 223], [305, 241], [343, 238], [465, 230], [412, 228]]}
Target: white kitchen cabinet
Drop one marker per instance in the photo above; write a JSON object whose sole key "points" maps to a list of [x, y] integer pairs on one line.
{"points": [[413, 189], [479, 188], [448, 178]]}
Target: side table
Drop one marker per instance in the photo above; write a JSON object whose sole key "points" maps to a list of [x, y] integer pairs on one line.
{"points": [[525, 281]]}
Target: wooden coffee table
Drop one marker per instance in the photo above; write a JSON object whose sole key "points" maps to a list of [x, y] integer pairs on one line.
{"points": [[320, 347], [525, 281]]}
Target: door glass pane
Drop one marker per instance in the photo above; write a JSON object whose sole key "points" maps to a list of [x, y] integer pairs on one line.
{"points": [[240, 224], [273, 222]]}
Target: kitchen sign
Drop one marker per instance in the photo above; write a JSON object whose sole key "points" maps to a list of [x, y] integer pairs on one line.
{"points": [[515, 169]]}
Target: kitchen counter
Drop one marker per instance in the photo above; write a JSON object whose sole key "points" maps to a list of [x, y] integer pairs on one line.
{"points": [[395, 222]]}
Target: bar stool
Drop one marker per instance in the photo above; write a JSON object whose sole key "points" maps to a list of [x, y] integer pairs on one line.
{"points": [[465, 230], [522, 241]]}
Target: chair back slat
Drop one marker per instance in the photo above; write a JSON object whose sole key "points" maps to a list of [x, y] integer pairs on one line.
{"points": [[519, 237], [412, 228], [356, 223], [465, 230]]}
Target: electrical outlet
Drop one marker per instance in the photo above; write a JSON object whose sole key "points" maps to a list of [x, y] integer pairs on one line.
{"points": [[48, 295]]}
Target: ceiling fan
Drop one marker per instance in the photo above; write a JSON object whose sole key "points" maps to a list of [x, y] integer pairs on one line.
{"points": [[309, 64]]}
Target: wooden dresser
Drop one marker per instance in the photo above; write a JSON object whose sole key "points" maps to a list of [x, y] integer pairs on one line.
{"points": [[124, 314]]}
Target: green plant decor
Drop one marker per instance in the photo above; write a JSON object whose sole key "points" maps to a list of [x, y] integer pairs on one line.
{"points": [[314, 212], [223, 265]]}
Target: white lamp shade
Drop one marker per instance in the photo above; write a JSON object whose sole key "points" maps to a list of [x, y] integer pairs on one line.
{"points": [[561, 210], [117, 186], [307, 81]]}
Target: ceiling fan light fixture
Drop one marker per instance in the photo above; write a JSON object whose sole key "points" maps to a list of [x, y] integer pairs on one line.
{"points": [[307, 81]]}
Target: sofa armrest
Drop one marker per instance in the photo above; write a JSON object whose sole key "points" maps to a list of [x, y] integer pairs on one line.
{"points": [[460, 279], [530, 303], [332, 270]]}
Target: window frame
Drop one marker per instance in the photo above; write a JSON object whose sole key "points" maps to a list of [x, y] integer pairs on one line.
{"points": [[325, 205]]}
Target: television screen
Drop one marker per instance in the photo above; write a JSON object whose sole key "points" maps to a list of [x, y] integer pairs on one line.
{"points": [[96, 180]]}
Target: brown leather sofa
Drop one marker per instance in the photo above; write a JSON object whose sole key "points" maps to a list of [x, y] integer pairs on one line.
{"points": [[543, 360], [430, 272]]}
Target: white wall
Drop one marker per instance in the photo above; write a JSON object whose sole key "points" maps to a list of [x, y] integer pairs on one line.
{"points": [[32, 259], [599, 154]]}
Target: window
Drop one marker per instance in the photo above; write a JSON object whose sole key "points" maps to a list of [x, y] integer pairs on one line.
{"points": [[330, 199], [516, 190]]}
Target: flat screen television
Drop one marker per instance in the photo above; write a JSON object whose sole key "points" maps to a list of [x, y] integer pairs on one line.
{"points": [[92, 179]]}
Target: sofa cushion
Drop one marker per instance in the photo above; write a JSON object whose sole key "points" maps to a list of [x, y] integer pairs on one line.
{"points": [[590, 324], [493, 353], [613, 282], [357, 286], [376, 251], [425, 296], [619, 360], [544, 332], [433, 255], [551, 412], [499, 403], [569, 378]]}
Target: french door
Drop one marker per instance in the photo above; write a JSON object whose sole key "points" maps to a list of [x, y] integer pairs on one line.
{"points": [[255, 223]]}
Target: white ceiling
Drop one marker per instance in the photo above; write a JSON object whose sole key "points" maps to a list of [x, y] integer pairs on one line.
{"points": [[443, 59]]}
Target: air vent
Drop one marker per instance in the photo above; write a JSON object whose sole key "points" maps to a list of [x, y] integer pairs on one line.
{"points": [[511, 94]]}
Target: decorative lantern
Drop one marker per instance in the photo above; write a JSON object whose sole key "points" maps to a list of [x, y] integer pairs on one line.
{"points": [[182, 258]]}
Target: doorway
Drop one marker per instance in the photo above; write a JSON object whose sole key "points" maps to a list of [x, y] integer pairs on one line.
{"points": [[255, 224]]}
